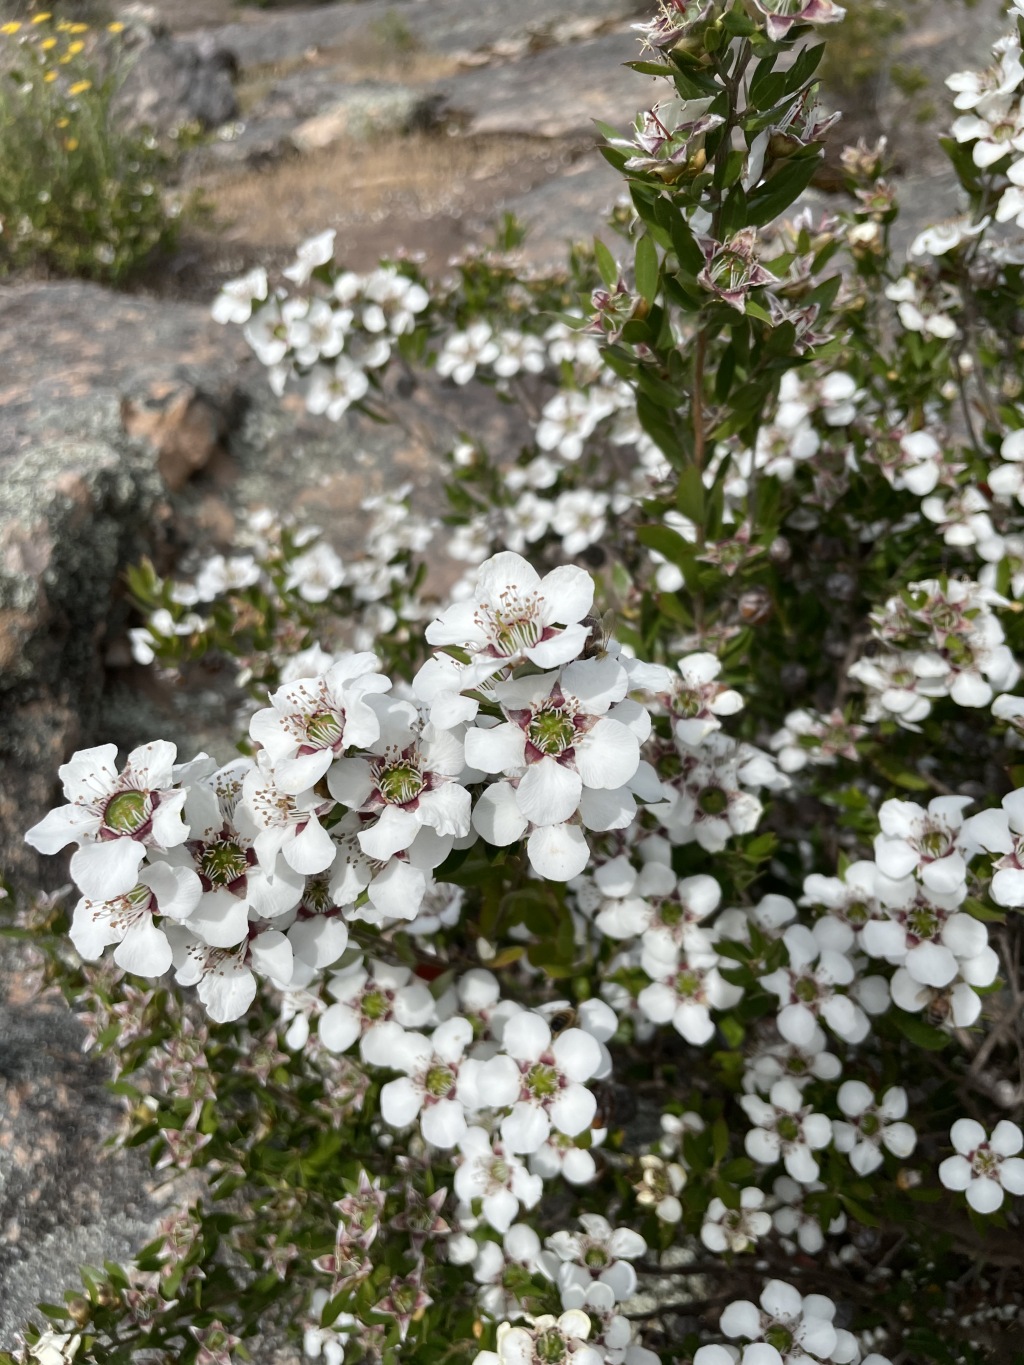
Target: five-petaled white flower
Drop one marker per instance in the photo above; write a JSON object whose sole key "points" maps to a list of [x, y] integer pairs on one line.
{"points": [[114, 816]]}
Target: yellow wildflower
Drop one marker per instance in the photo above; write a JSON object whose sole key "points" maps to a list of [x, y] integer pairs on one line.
{"points": [[12, 27], [50, 76], [41, 18], [115, 28], [75, 48], [78, 28], [47, 43], [79, 87], [70, 144], [63, 122]]}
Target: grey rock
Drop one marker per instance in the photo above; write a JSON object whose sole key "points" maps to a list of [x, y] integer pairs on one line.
{"points": [[64, 1201], [554, 93], [448, 26], [80, 500], [172, 82]]}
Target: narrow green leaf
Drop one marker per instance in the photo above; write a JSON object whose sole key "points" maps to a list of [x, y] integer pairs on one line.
{"points": [[648, 268], [606, 265]]}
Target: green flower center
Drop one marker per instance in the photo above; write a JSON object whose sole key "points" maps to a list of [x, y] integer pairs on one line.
{"points": [[870, 1124], [399, 783], [515, 628], [127, 812], [551, 1346], [542, 1080], [780, 1337], [713, 801], [688, 984], [935, 843], [323, 730], [985, 1162], [139, 897], [223, 862], [671, 913], [806, 989], [687, 705], [857, 913], [375, 1005], [788, 1128], [922, 922], [500, 1171], [595, 1257], [439, 1081], [552, 732]]}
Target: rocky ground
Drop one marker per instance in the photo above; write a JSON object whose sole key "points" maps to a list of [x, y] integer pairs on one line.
{"points": [[132, 423]]}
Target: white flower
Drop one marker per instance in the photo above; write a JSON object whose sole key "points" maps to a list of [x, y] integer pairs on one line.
{"points": [[807, 990], [462, 352], [333, 389], [599, 1253], [543, 1081], [872, 1125], [549, 1341], [430, 1089], [235, 300], [975, 87], [685, 993], [519, 351], [514, 615], [787, 1129], [565, 747], [986, 1168], [114, 816], [408, 784], [925, 933], [287, 823], [696, 700], [221, 847], [569, 418], [924, 842], [319, 331], [496, 1177], [310, 722], [366, 1000], [995, 129], [315, 574], [316, 251], [735, 1229], [55, 1348], [792, 1326], [225, 977], [128, 920]]}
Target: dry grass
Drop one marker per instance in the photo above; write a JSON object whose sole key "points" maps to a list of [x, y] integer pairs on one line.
{"points": [[380, 194]]}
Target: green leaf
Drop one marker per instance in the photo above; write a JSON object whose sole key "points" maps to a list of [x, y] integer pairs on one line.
{"points": [[690, 494], [807, 62], [606, 265], [920, 1033], [783, 187], [668, 543], [719, 1140], [648, 268]]}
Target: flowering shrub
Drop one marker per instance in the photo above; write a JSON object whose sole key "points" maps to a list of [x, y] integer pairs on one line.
{"points": [[628, 990], [78, 195]]}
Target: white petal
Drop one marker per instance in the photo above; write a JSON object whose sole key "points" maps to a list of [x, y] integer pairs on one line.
{"points": [[144, 950], [549, 792], [107, 868], [608, 755], [558, 852]]}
